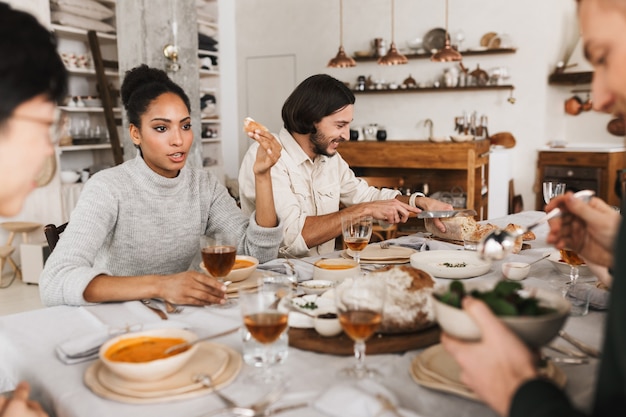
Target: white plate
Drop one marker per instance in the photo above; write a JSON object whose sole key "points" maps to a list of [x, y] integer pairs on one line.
{"points": [[302, 321], [466, 264], [375, 253], [563, 268]]}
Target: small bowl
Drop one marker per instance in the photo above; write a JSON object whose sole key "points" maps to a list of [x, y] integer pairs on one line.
{"points": [[151, 370], [327, 324], [335, 269], [244, 267], [515, 271], [461, 138], [316, 286], [535, 331], [69, 177]]}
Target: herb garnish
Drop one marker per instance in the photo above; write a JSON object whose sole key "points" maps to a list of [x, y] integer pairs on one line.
{"points": [[456, 265]]}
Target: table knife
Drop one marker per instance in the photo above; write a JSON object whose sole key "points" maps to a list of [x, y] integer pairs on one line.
{"points": [[152, 306], [593, 352], [445, 213]]}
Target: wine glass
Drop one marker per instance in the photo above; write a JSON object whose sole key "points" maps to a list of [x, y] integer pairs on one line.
{"points": [[356, 231], [574, 261], [360, 309], [552, 189], [265, 315], [576, 293], [219, 253]]}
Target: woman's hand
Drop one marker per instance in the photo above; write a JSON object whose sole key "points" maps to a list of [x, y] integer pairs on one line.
{"points": [[587, 228], [268, 153], [19, 405], [192, 288], [497, 365]]}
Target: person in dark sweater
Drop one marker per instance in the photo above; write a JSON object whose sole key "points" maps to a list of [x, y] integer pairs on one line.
{"points": [[500, 368]]}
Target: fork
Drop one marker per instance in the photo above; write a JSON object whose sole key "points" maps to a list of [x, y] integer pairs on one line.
{"points": [[173, 308], [151, 305]]}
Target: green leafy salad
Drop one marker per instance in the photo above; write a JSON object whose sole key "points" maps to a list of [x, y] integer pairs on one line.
{"points": [[504, 299]]}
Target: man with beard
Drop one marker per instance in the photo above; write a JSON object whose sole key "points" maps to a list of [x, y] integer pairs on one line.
{"points": [[311, 179]]}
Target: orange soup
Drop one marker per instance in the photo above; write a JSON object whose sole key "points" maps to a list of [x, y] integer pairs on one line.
{"points": [[334, 266], [242, 263], [143, 349]]}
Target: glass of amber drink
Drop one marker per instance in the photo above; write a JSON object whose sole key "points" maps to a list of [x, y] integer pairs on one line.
{"points": [[360, 308], [265, 314], [218, 256], [356, 231], [571, 258]]}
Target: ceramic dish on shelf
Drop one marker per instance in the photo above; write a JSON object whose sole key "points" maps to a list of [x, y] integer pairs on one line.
{"points": [[461, 138], [434, 39]]}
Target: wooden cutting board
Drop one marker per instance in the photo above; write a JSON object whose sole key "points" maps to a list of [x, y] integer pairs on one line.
{"points": [[309, 339]]}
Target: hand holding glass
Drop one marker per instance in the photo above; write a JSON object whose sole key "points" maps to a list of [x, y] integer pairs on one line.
{"points": [[360, 308], [356, 231], [218, 256]]}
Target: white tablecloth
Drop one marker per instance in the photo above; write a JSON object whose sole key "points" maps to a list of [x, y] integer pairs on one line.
{"points": [[27, 343]]}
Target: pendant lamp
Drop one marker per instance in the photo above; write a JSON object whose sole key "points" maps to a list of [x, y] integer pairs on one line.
{"points": [[392, 57], [341, 60], [446, 54]]}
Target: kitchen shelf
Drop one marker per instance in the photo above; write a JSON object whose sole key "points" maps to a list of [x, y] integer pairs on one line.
{"points": [[91, 72], [81, 34], [210, 140], [427, 55], [87, 109], [204, 72], [210, 120], [209, 53], [436, 89], [570, 78], [95, 146]]}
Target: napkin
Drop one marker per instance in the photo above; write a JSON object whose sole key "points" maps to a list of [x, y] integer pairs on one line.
{"points": [[358, 400], [85, 348], [303, 270]]}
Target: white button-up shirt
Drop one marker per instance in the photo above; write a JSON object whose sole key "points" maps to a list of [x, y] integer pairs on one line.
{"points": [[305, 187]]}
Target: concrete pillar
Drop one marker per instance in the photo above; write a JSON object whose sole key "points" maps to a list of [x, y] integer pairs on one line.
{"points": [[144, 27]]}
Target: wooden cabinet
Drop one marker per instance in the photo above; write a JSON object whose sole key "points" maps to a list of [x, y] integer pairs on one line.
{"points": [[442, 166], [598, 171]]}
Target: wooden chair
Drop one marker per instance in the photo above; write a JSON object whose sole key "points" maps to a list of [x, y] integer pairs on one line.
{"points": [[53, 233], [380, 233], [8, 249]]}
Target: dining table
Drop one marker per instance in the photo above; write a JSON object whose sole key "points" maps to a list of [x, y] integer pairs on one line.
{"points": [[28, 344]]}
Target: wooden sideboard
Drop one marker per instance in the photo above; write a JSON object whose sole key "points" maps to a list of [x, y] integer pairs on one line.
{"points": [[595, 170], [442, 166]]}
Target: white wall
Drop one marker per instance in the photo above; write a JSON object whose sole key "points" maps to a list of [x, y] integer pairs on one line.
{"points": [[543, 32]]}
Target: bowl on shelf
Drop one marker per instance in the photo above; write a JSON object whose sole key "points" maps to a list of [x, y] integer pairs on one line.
{"points": [[535, 331], [461, 138], [69, 177], [132, 356], [92, 102]]}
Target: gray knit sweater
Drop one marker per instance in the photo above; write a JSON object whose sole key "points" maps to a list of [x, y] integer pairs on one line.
{"points": [[130, 221]]}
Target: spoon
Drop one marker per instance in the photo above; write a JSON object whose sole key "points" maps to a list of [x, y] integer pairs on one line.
{"points": [[500, 243], [540, 259], [200, 339]]}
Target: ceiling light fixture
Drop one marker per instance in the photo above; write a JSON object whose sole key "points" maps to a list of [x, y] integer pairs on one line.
{"points": [[447, 53], [392, 57], [341, 60]]}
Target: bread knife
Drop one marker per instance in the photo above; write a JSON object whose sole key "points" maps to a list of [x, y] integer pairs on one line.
{"points": [[445, 213]]}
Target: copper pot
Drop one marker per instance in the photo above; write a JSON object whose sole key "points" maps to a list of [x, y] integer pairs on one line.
{"points": [[573, 106]]}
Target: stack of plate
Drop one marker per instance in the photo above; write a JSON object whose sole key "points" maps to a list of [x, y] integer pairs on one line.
{"points": [[375, 254], [220, 362], [435, 368]]}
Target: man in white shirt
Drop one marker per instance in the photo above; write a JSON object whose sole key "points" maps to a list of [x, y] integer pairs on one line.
{"points": [[311, 178]]}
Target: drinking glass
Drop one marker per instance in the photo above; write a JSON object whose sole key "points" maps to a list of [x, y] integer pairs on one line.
{"points": [[265, 315], [218, 256], [356, 231], [360, 309], [552, 189], [574, 261]]}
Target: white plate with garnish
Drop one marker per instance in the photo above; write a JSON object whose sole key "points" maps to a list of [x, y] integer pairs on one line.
{"points": [[310, 305], [454, 264]]}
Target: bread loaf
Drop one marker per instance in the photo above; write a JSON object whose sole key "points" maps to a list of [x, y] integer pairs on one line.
{"points": [[408, 306]]}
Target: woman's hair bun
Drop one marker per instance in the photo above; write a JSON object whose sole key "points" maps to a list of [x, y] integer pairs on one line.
{"points": [[139, 77]]}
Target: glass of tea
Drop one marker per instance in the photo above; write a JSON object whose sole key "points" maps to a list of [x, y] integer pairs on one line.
{"points": [[218, 255], [356, 231], [571, 258], [360, 308], [265, 314]]}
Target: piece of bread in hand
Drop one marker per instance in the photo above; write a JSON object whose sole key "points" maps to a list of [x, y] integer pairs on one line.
{"points": [[251, 126], [457, 228]]}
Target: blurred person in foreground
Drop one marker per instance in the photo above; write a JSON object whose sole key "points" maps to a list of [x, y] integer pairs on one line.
{"points": [[500, 368], [311, 178], [32, 81]]}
